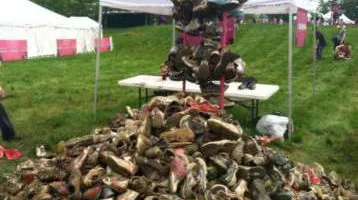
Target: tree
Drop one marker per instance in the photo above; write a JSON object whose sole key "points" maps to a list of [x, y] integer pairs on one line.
{"points": [[71, 7], [350, 8]]}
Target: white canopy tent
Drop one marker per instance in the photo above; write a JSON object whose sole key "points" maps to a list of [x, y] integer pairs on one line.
{"points": [[25, 20], [284, 7], [343, 17], [160, 7]]}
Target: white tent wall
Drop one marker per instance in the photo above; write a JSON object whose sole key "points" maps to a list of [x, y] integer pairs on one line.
{"points": [[25, 20]]}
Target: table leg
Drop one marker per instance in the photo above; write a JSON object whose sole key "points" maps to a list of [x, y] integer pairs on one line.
{"points": [[257, 109], [139, 97], [252, 110]]}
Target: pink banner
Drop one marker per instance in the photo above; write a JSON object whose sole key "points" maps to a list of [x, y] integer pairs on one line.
{"points": [[66, 47], [191, 40], [13, 50], [301, 30], [105, 44]]}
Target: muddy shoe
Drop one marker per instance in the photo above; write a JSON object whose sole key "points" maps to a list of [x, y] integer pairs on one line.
{"points": [[116, 183], [196, 123], [78, 162], [258, 191], [139, 184], [213, 148], [42, 153], [202, 174], [74, 182], [252, 147], [59, 188], [217, 192], [221, 160], [143, 143], [251, 172], [187, 191], [93, 176], [230, 178], [178, 135], [228, 131], [121, 166], [49, 174], [128, 195], [307, 195], [154, 152], [161, 166], [107, 193], [157, 117], [238, 152], [92, 193], [240, 189]]}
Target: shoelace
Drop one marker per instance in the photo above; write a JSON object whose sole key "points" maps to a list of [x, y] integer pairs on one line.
{"points": [[11, 154]]}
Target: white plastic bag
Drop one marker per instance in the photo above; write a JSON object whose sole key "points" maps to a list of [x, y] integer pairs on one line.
{"points": [[272, 125]]}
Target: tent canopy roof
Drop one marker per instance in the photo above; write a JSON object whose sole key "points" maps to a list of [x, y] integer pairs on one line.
{"points": [[279, 6], [160, 7]]}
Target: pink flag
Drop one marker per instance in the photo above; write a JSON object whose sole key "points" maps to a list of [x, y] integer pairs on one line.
{"points": [[301, 31]]}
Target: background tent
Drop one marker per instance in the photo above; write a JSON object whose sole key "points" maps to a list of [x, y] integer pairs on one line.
{"points": [[25, 20], [283, 7], [328, 18]]}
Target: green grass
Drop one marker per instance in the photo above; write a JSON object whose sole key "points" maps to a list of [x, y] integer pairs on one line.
{"points": [[51, 99]]}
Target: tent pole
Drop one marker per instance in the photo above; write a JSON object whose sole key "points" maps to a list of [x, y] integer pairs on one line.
{"points": [[173, 39], [98, 63], [290, 92], [314, 72]]}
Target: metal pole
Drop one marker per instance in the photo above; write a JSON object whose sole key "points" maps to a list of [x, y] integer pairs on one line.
{"points": [[290, 89], [314, 69], [173, 42], [98, 62]]}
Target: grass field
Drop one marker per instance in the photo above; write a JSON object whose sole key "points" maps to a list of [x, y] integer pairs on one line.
{"points": [[51, 99]]}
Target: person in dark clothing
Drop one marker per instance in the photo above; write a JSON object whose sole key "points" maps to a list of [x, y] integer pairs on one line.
{"points": [[7, 130], [321, 43]]}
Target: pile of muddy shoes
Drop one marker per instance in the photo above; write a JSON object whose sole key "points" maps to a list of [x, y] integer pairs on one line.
{"points": [[175, 147]]}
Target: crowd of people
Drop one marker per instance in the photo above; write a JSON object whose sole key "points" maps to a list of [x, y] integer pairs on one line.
{"points": [[341, 49]]}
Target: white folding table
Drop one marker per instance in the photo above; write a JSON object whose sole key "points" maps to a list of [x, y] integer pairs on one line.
{"points": [[261, 92]]}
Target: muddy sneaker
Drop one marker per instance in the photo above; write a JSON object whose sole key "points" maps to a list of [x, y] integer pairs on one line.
{"points": [[189, 183], [75, 181], [227, 130], [240, 189], [230, 178], [121, 166], [59, 188], [246, 172], [93, 176], [238, 152], [221, 160], [258, 191], [284, 194], [213, 148], [154, 152], [116, 183], [92, 193], [307, 195], [157, 117], [178, 135], [129, 195]]}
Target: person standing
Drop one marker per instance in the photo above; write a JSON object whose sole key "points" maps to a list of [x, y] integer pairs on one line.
{"points": [[340, 37], [320, 45], [7, 130]]}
